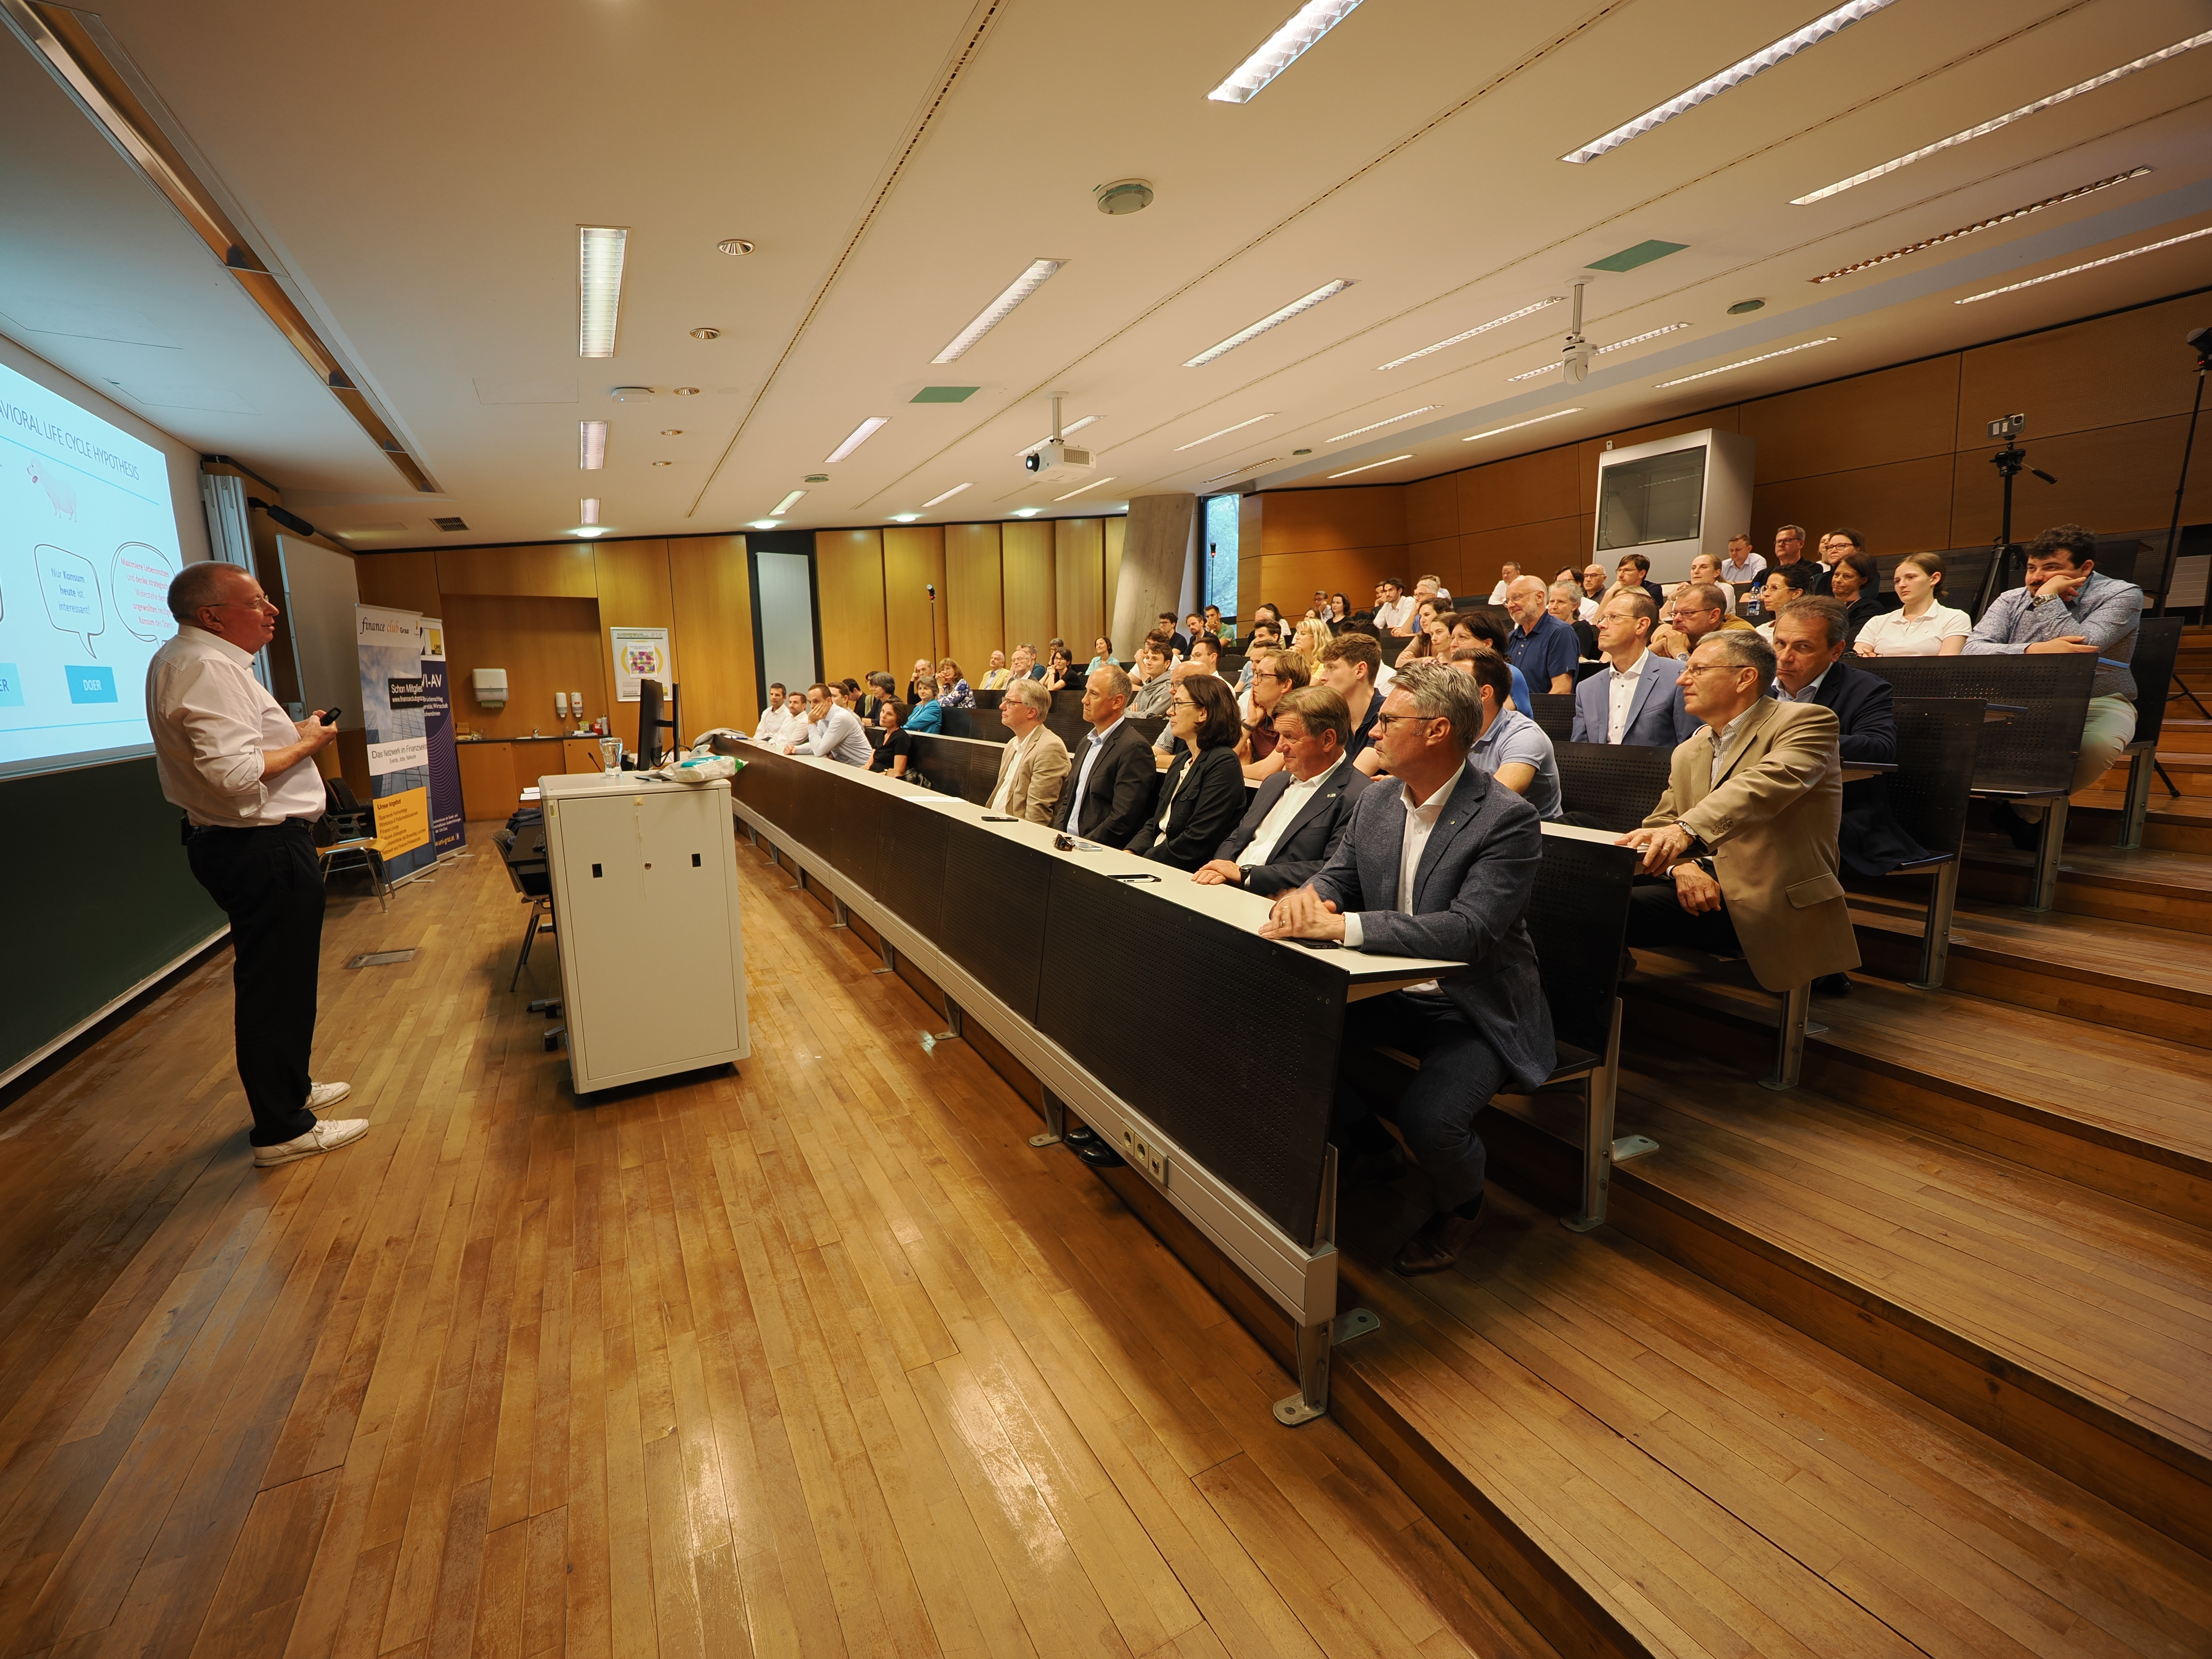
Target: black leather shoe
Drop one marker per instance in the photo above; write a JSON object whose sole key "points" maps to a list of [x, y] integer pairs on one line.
{"points": [[2026, 836], [1096, 1153], [1436, 1246], [1832, 985]]}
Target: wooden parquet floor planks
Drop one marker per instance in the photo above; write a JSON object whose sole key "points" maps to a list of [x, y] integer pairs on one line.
{"points": [[818, 1358]]}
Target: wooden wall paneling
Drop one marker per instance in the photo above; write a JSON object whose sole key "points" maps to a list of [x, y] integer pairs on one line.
{"points": [[914, 559], [546, 646], [1539, 549], [1026, 559], [1431, 509], [2114, 478], [1902, 508], [1289, 578], [711, 588], [976, 623], [2107, 371], [1901, 414], [848, 580], [1080, 583], [1439, 558], [633, 591], [560, 570], [1524, 489], [1252, 592], [1319, 520], [1726, 419], [487, 779], [1117, 529], [404, 582]]}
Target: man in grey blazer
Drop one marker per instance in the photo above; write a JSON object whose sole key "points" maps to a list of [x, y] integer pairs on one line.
{"points": [[1637, 697], [1294, 822], [1443, 865]]}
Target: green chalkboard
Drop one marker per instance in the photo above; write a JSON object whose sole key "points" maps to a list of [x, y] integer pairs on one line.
{"points": [[98, 897]]}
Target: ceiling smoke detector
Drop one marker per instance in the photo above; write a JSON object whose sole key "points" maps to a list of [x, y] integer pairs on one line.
{"points": [[735, 245], [706, 333], [1123, 195], [687, 390]]}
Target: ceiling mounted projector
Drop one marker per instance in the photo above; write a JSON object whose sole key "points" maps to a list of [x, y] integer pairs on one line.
{"points": [[1053, 459]]}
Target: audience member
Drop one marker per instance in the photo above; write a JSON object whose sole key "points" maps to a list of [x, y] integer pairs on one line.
{"points": [[1636, 697], [1705, 571], [1295, 818], [1311, 637], [1508, 574], [1784, 582], [1340, 611], [1418, 646], [831, 732], [1484, 625], [1743, 563], [1203, 793], [769, 728], [999, 674], [1112, 782], [1566, 603], [896, 752], [1544, 648], [1102, 652], [1442, 866], [1394, 609], [1060, 671], [1511, 747], [2069, 607], [1224, 631], [1594, 585], [1277, 672], [1033, 766], [921, 684], [1204, 662], [1153, 680], [1348, 663], [1855, 579], [1922, 625], [1164, 624], [1699, 609], [1634, 570], [1789, 551], [1023, 667], [952, 690], [925, 719], [1745, 832], [1266, 636]]}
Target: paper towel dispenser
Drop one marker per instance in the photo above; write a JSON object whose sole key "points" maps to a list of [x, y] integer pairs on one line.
{"points": [[490, 684]]}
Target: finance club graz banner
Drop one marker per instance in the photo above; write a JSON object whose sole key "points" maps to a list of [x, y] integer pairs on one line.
{"points": [[446, 831], [391, 648]]}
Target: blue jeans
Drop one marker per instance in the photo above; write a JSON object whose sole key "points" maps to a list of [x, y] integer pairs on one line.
{"points": [[1460, 1072]]}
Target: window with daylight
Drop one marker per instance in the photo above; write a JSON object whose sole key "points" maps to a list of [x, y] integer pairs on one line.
{"points": [[1218, 572]]}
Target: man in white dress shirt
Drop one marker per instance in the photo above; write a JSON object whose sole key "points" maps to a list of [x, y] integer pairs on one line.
{"points": [[769, 727], [1397, 613], [244, 772], [831, 732]]}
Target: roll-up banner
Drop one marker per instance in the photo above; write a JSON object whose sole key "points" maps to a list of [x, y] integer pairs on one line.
{"points": [[446, 832], [391, 648]]}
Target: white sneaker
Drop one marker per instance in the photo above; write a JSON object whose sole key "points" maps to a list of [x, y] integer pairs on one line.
{"points": [[322, 1096], [326, 1137]]}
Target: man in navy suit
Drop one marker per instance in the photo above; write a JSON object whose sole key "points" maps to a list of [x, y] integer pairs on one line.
{"points": [[1298, 816], [1114, 780], [1442, 866], [1637, 697]]}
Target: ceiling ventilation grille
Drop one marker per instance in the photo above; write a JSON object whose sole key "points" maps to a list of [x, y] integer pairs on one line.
{"points": [[451, 524]]}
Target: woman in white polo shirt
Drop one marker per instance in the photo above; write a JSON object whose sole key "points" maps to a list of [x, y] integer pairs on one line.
{"points": [[1923, 625]]}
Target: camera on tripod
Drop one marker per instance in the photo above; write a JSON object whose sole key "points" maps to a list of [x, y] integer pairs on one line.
{"points": [[2008, 426]]}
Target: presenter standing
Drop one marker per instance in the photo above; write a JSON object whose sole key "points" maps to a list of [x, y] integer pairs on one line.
{"points": [[245, 775]]}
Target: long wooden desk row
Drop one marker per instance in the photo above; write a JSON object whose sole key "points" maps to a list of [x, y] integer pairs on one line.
{"points": [[1083, 964]]}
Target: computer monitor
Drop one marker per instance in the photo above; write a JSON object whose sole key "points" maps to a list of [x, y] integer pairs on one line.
{"points": [[650, 724]]}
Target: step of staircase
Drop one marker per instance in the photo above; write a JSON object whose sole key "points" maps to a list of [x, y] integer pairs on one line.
{"points": [[2174, 825], [2149, 885]]}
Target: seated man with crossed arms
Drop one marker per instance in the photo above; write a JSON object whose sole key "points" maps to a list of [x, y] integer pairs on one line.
{"points": [[1439, 861], [1299, 815]]}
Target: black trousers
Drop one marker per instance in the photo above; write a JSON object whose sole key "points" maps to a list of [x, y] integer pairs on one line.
{"points": [[1655, 916], [1460, 1072], [268, 885]]}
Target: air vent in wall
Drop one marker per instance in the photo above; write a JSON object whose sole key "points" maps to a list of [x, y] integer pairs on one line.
{"points": [[451, 524]]}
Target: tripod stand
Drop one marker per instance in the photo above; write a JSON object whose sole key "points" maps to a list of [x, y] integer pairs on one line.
{"points": [[2011, 462], [2199, 341]]}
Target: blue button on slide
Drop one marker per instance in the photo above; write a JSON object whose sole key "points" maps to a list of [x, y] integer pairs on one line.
{"points": [[90, 684], [11, 686]]}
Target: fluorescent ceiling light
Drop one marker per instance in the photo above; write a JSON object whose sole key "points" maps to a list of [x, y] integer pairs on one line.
{"points": [[1468, 334], [1926, 243], [1735, 75], [590, 513], [1618, 345], [785, 504], [600, 250], [588, 531], [2075, 271], [762, 524], [1224, 432], [1327, 291], [1027, 512], [904, 518], [1376, 426], [1073, 493], [947, 497], [590, 445], [1073, 426], [2004, 120], [1533, 420], [1706, 373], [1281, 50], [995, 313], [859, 435], [1239, 471], [1371, 465]]}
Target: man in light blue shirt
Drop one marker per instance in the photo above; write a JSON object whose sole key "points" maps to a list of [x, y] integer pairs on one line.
{"points": [[832, 731], [1512, 748]]}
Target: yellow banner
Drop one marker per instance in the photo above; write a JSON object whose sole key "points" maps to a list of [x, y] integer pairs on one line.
{"points": [[402, 821]]}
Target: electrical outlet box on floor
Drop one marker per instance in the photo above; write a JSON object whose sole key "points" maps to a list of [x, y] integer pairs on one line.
{"points": [[1146, 1156]]}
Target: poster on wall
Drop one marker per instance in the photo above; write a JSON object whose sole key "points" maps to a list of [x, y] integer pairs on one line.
{"points": [[390, 646], [446, 834], [640, 653]]}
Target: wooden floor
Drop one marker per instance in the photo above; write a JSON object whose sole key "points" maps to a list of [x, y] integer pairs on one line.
{"points": [[816, 1359]]}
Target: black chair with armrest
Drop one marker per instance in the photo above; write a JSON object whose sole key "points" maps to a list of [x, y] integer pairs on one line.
{"points": [[1554, 711], [522, 855], [1611, 786], [352, 844], [1937, 741]]}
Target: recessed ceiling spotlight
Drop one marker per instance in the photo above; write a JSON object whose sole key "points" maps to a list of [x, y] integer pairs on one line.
{"points": [[1533, 420], [859, 435], [687, 390], [672, 432], [1123, 195], [1618, 345], [947, 497], [1299, 32], [1224, 432], [735, 246], [1072, 426], [1027, 512], [1468, 334], [2075, 271], [786, 504], [1747, 362], [1376, 426], [589, 509], [590, 445], [1744, 307], [1073, 493], [2005, 120], [706, 333], [664, 463], [588, 531], [1775, 51], [1371, 465], [904, 518], [2074, 195], [761, 524], [599, 252], [996, 313], [1304, 303]]}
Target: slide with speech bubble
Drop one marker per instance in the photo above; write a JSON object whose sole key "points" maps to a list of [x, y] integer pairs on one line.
{"points": [[89, 543]]}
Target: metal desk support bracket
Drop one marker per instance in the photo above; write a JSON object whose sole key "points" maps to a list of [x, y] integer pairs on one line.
{"points": [[891, 962], [1055, 1122], [844, 916], [1789, 1040], [1599, 1149], [1317, 1341], [2049, 852], [952, 1033]]}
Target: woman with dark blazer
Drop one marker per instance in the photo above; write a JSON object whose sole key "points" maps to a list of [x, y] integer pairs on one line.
{"points": [[1202, 796]]}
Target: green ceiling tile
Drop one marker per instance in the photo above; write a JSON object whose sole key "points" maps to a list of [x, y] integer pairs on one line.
{"points": [[945, 394], [1642, 254]]}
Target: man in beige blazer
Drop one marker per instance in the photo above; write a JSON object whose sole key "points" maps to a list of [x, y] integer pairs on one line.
{"points": [[1746, 828], [1033, 770]]}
